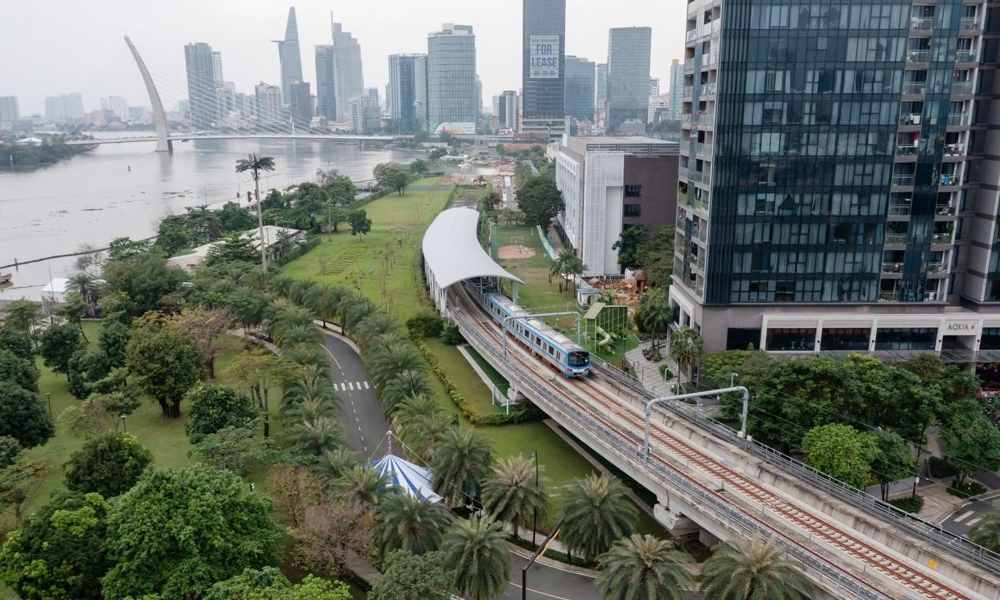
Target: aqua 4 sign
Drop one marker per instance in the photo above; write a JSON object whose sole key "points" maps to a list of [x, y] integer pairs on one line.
{"points": [[543, 57]]}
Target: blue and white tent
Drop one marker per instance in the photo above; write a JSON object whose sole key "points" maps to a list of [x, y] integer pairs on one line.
{"points": [[412, 479]]}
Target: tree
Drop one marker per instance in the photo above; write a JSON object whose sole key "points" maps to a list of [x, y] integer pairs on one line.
{"points": [[393, 176], [10, 450], [214, 407], [360, 223], [460, 464], [540, 201], [255, 164], [841, 452], [364, 485], [655, 256], [18, 370], [654, 315], [17, 341], [987, 532], [477, 550], [686, 347], [642, 567], [566, 263], [23, 416], [207, 327], [87, 286], [512, 495], [271, 584], [178, 532], [174, 234], [596, 512], [17, 483], [419, 168], [233, 247], [168, 364], [628, 246], [894, 461], [314, 437], [22, 315], [491, 200], [57, 344], [113, 339], [385, 362], [140, 284], [409, 523], [234, 217], [59, 552], [238, 449], [753, 570], [972, 442], [334, 531], [108, 465], [409, 576], [339, 188], [436, 154]]}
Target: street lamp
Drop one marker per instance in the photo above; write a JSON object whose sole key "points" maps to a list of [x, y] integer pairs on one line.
{"points": [[48, 396], [534, 519], [124, 430]]}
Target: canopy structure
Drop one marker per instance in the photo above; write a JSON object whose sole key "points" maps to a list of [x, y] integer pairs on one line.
{"points": [[412, 479], [452, 253]]}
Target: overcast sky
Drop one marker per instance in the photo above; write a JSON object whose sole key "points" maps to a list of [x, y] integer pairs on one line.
{"points": [[59, 46]]}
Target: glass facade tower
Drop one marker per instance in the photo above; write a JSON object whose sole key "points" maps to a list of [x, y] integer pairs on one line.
{"points": [[628, 75], [407, 92], [543, 73], [452, 98], [580, 80], [290, 57], [326, 90]]}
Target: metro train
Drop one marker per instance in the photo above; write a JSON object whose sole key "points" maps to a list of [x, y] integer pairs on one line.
{"points": [[552, 346]]}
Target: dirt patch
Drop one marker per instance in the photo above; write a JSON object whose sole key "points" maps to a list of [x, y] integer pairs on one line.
{"points": [[515, 252]]}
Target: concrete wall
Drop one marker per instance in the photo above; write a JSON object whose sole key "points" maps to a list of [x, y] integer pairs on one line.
{"points": [[658, 178]]}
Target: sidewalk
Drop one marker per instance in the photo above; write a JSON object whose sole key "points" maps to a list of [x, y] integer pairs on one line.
{"points": [[649, 372]]}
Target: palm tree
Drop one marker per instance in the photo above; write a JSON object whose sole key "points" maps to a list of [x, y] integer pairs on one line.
{"points": [[323, 301], [753, 570], [557, 266], [686, 347], [574, 268], [460, 463], [481, 560], [289, 317], [655, 314], [310, 410], [363, 484], [87, 286], [331, 465], [255, 164], [411, 524], [642, 567], [512, 495], [314, 386], [372, 327], [404, 385], [314, 437], [287, 337], [307, 355], [386, 362], [596, 512], [421, 421], [300, 289], [987, 532]]}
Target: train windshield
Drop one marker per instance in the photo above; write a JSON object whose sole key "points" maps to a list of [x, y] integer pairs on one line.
{"points": [[580, 358]]}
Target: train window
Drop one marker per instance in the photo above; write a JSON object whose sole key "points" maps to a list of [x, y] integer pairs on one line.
{"points": [[579, 359]]}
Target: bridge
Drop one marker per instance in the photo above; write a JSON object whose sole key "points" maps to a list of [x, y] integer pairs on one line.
{"points": [[711, 481], [177, 137]]}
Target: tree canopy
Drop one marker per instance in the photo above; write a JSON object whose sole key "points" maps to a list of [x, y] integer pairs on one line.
{"points": [[108, 465], [359, 222], [414, 577], [58, 343], [628, 244], [23, 416], [213, 407], [168, 364], [540, 201], [393, 176], [841, 452], [269, 583]]}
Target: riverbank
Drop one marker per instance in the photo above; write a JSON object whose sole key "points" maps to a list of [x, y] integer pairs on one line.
{"points": [[27, 158]]}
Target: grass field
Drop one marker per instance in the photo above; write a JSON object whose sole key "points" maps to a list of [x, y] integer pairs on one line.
{"points": [[466, 380]]}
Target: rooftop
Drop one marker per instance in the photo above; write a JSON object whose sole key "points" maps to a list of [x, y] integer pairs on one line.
{"points": [[452, 250]]}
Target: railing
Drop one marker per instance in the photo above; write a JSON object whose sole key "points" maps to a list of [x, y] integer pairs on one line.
{"points": [[703, 149], [892, 267], [689, 64], [899, 209], [699, 176], [888, 296], [949, 180], [686, 118], [942, 238], [954, 149], [909, 119], [965, 56], [917, 56], [921, 23], [688, 91], [708, 89], [914, 87], [961, 87], [969, 23], [944, 209], [895, 238], [902, 180], [958, 119], [906, 150], [937, 267]]}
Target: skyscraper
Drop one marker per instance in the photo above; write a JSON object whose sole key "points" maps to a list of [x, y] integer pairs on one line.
{"points": [[54, 109], [602, 81], [290, 57], [579, 96], [301, 103], [326, 89], [268, 105], [506, 110], [407, 93], [364, 117], [8, 109], [676, 90], [203, 68], [451, 79], [72, 105], [628, 75], [835, 179], [543, 52], [349, 79]]}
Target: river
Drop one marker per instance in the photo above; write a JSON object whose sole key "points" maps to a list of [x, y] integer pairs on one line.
{"points": [[125, 189]]}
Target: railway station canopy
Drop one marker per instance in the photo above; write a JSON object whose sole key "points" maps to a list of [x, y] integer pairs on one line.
{"points": [[452, 253]]}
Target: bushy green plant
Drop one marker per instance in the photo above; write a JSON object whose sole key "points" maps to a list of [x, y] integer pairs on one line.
{"points": [[425, 324], [911, 504], [451, 335]]}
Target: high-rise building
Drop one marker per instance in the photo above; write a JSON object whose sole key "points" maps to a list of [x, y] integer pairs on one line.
{"points": [[654, 87], [290, 57], [602, 81], [326, 89], [676, 90], [579, 95], [407, 92], [54, 109], [301, 103], [72, 105], [204, 78], [543, 52], [451, 79], [269, 104], [505, 111], [8, 109], [372, 92], [115, 106], [840, 195], [349, 79], [364, 115], [628, 75]]}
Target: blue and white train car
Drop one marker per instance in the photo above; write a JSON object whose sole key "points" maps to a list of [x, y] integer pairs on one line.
{"points": [[552, 346]]}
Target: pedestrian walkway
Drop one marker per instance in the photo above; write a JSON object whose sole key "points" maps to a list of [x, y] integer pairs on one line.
{"points": [[649, 372]]}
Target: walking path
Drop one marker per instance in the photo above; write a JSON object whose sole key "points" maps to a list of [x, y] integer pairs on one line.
{"points": [[649, 372]]}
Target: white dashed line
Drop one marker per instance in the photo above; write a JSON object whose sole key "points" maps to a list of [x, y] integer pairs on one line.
{"points": [[351, 386], [964, 516], [366, 385], [974, 521]]}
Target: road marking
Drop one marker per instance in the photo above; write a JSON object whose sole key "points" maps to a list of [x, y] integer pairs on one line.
{"points": [[359, 427], [974, 521], [540, 593], [351, 385], [335, 388], [366, 385], [336, 362], [964, 516]]}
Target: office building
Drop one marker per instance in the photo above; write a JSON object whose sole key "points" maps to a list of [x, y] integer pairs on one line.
{"points": [[676, 90], [407, 92], [54, 109], [451, 80], [364, 115], [579, 94], [543, 52], [602, 81], [326, 94], [609, 184], [348, 75], [204, 79], [654, 87], [628, 75], [8, 109], [290, 57], [269, 104], [115, 107], [301, 103], [372, 92], [505, 111], [72, 105], [838, 179]]}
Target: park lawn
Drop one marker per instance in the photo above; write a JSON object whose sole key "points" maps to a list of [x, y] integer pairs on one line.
{"points": [[498, 380], [466, 380]]}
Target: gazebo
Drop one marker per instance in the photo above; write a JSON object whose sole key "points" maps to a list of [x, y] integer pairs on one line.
{"points": [[410, 478]]}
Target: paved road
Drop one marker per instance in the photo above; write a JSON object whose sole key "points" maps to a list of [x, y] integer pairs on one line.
{"points": [[360, 412], [966, 517], [550, 583]]}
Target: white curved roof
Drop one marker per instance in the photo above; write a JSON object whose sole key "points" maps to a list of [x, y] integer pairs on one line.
{"points": [[453, 253]]}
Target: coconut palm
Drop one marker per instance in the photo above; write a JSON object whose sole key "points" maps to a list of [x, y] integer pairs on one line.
{"points": [[753, 570], [386, 362], [654, 314], [314, 386], [300, 289], [596, 512], [511, 493], [686, 347], [255, 164], [307, 355], [331, 465], [460, 463], [297, 335], [477, 550], [362, 484], [314, 437], [289, 317], [403, 385], [87, 286], [642, 567], [987, 532], [372, 327], [558, 264], [411, 524], [323, 301], [421, 422]]}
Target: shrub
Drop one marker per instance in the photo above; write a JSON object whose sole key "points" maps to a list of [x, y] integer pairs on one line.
{"points": [[940, 468], [425, 324], [967, 490], [666, 373], [911, 504], [451, 335]]}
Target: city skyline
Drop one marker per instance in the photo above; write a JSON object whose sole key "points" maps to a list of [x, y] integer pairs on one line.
{"points": [[244, 39]]}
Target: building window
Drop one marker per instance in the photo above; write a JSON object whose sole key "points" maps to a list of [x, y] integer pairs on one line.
{"points": [[633, 191], [742, 338], [845, 339], [791, 340], [898, 338], [990, 339], [633, 210]]}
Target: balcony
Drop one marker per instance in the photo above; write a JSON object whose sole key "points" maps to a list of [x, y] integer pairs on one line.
{"points": [[700, 176], [898, 210], [944, 210], [917, 56], [943, 238], [708, 89], [969, 23], [921, 23], [958, 119], [937, 268], [954, 149], [902, 180], [906, 150], [961, 87], [689, 64], [888, 296], [914, 88], [895, 239], [949, 180], [682, 173], [965, 56], [892, 267], [686, 118], [909, 119], [704, 149], [688, 91]]}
